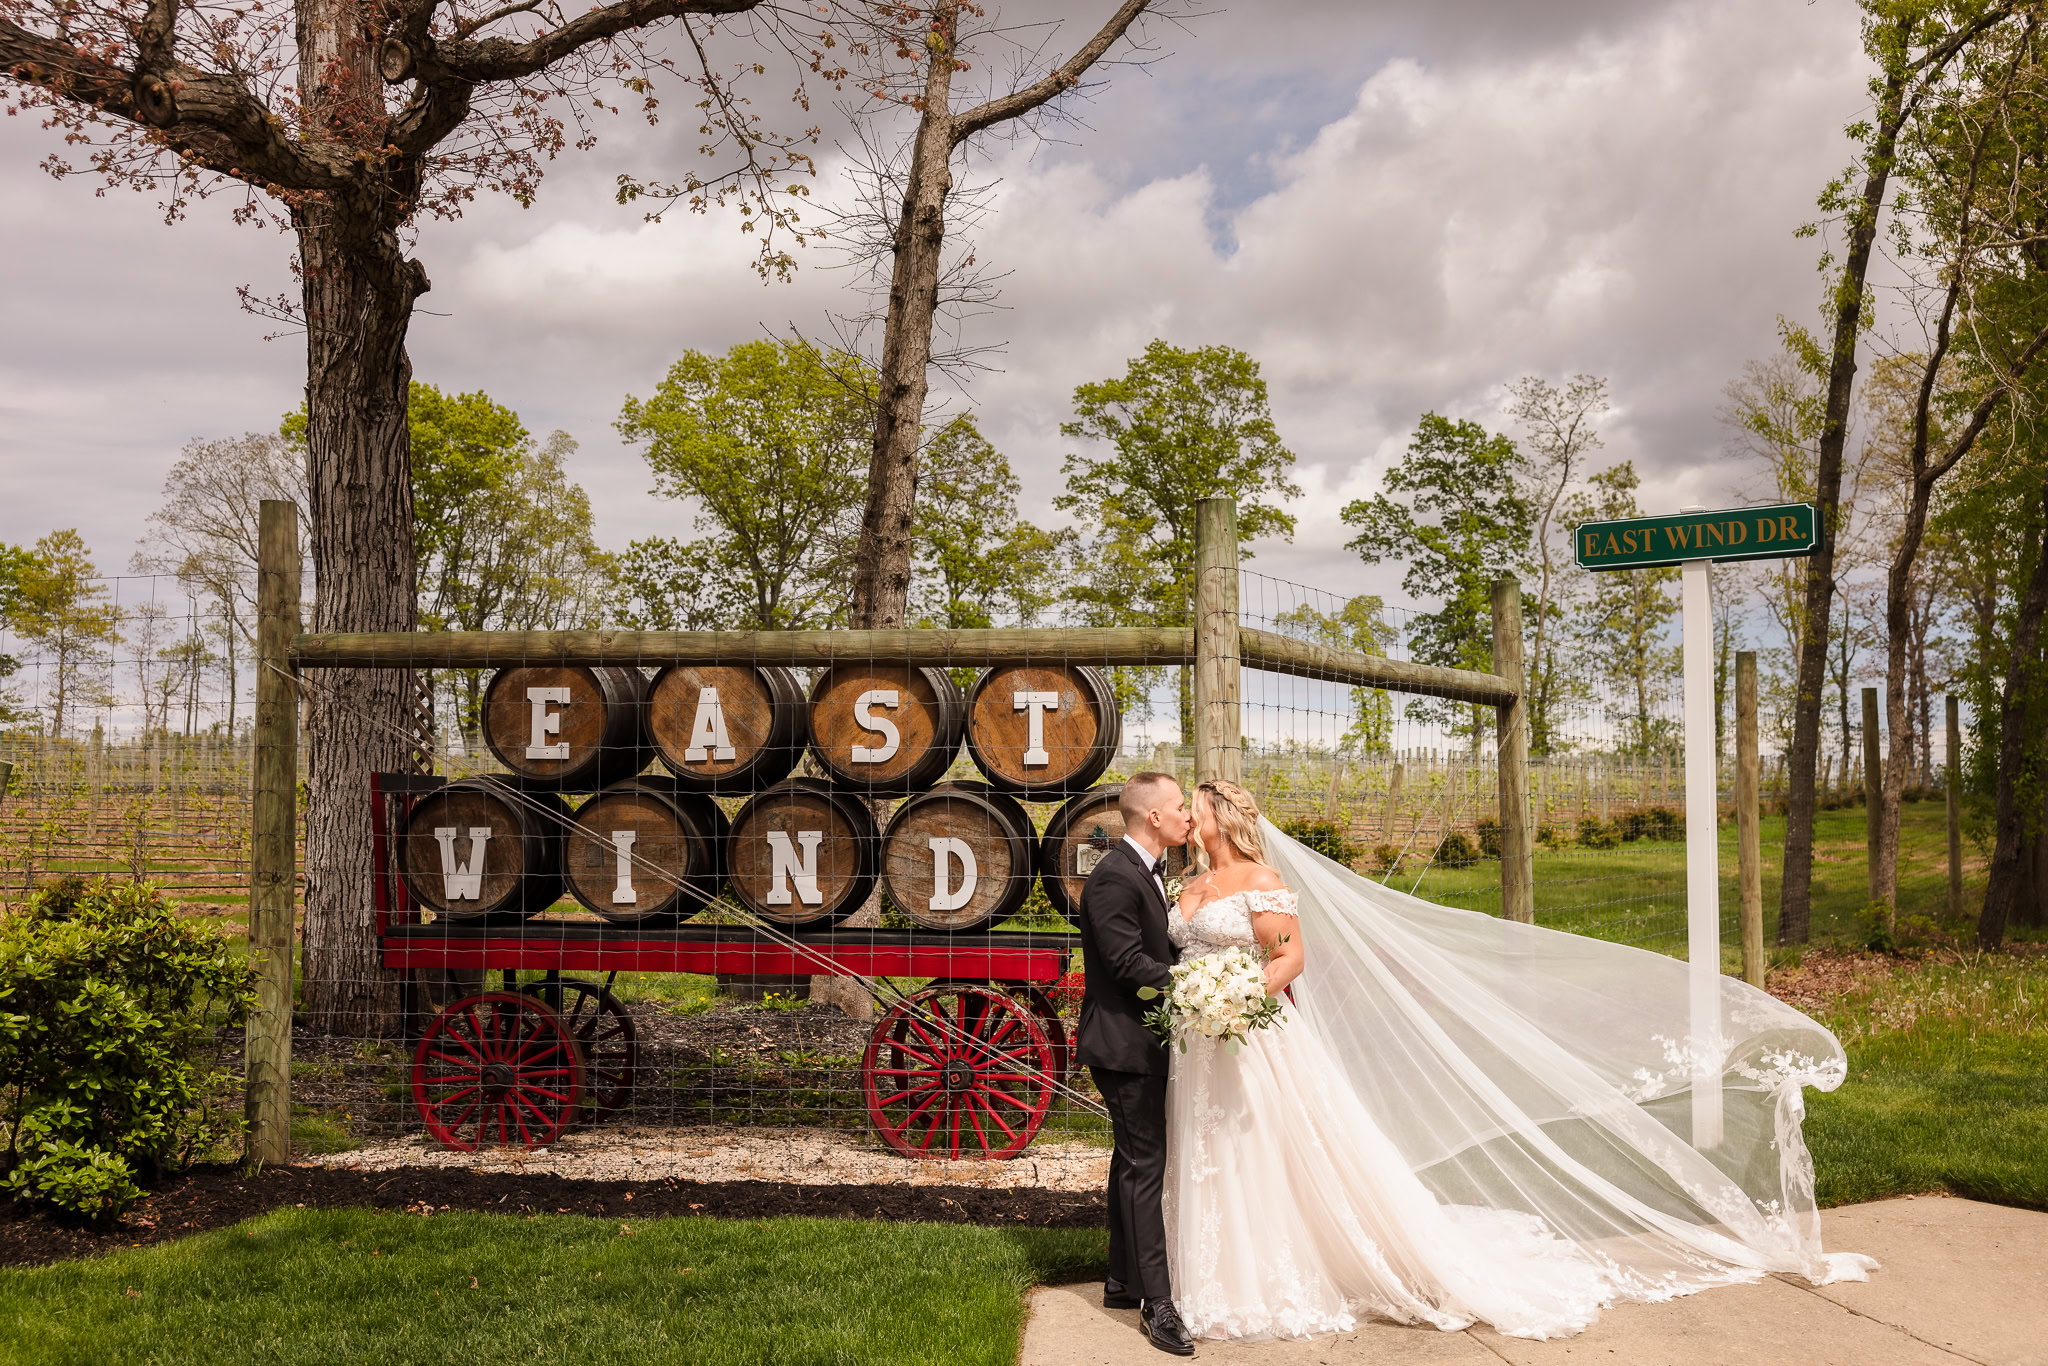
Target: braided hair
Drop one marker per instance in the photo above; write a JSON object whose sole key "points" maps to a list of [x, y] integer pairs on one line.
{"points": [[1237, 818]]}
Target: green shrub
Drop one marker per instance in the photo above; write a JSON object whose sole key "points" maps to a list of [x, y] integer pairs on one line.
{"points": [[1631, 826], [104, 996], [1384, 858], [1456, 851], [1489, 838], [1662, 823], [1325, 837], [1595, 833], [1550, 837]]}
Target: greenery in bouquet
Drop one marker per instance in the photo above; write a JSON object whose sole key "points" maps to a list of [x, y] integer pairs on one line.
{"points": [[1215, 996]]}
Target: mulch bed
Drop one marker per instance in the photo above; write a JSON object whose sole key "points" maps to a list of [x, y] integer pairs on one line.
{"points": [[213, 1197]]}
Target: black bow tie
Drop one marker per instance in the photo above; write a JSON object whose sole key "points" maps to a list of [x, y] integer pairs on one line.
{"points": [[1159, 866]]}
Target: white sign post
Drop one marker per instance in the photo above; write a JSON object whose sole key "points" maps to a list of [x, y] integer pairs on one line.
{"points": [[1702, 852], [1695, 539]]}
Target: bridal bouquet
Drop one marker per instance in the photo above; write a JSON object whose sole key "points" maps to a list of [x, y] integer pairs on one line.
{"points": [[1218, 996]]}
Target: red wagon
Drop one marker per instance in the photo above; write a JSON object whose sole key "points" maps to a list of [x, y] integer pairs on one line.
{"points": [[966, 1066]]}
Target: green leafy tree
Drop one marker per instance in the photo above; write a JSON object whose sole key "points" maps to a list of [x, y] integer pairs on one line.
{"points": [[13, 562], [1360, 624], [978, 563], [502, 538], [60, 607], [1453, 510], [505, 539], [1179, 426], [770, 441], [1625, 621]]}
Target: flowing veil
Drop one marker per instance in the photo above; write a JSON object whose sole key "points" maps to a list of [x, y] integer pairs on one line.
{"points": [[1523, 1069]]}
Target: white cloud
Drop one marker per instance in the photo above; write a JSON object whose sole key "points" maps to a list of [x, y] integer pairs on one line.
{"points": [[1393, 211]]}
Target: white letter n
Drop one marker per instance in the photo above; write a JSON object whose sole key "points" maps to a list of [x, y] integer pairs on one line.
{"points": [[787, 868]]}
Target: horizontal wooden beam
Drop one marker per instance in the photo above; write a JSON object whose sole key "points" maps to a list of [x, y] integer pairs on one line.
{"points": [[1303, 659], [1121, 645], [499, 649]]}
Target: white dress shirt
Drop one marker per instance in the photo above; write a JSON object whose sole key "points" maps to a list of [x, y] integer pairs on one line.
{"points": [[1146, 855]]}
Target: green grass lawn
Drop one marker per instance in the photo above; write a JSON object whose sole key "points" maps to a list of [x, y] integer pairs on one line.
{"points": [[1635, 893], [1947, 1088], [333, 1288]]}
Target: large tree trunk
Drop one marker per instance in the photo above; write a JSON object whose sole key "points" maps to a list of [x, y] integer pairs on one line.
{"points": [[881, 580], [359, 487], [1802, 761], [2015, 714]]}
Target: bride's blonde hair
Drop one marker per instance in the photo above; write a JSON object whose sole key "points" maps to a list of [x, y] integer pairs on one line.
{"points": [[1237, 819]]}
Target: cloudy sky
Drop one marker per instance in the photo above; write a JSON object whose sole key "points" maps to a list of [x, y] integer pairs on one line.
{"points": [[1395, 207]]}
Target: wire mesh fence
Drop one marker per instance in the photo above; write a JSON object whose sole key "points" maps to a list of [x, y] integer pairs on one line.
{"points": [[756, 918]]}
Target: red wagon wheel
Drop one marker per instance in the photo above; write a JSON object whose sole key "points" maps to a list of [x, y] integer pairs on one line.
{"points": [[1048, 1012], [499, 1066], [958, 1071], [604, 1031]]}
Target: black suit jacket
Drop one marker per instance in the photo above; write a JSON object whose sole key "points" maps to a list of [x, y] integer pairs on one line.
{"points": [[1123, 947]]}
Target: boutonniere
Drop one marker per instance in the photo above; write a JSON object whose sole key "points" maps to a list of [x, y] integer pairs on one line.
{"points": [[1172, 885]]}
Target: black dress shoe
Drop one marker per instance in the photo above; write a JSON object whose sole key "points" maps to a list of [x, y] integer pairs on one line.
{"points": [[1117, 1295], [1161, 1322]]}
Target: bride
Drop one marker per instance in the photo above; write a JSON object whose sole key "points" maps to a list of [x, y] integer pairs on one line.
{"points": [[1463, 1119]]}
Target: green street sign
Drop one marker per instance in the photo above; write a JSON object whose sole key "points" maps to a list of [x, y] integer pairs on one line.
{"points": [[1782, 531]]}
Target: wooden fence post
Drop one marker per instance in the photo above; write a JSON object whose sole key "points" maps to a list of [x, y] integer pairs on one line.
{"points": [[1873, 790], [1955, 810], [1748, 818], [1218, 728], [266, 1085], [6, 772], [1511, 720]]}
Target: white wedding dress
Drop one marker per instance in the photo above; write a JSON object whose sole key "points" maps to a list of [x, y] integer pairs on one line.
{"points": [[1463, 1119]]}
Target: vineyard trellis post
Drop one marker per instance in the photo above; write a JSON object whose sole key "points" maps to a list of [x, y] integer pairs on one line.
{"points": [[1873, 791], [1748, 816], [1218, 738], [1511, 759], [273, 817], [1955, 810]]}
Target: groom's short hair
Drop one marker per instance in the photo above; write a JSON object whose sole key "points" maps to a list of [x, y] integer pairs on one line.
{"points": [[1141, 793]]}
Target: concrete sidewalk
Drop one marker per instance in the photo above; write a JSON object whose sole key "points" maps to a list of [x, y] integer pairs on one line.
{"points": [[1960, 1282]]}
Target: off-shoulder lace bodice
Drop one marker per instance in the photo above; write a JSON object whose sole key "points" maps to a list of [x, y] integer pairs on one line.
{"points": [[1226, 922]]}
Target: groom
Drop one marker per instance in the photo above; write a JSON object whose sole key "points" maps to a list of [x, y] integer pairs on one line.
{"points": [[1124, 947]]}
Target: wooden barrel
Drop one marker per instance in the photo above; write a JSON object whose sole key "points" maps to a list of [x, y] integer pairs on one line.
{"points": [[726, 728], [1077, 836], [959, 857], [803, 853], [482, 850], [567, 728], [645, 852], [885, 729], [1043, 730]]}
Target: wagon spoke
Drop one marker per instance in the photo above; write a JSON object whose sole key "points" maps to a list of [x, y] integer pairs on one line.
{"points": [[1012, 1133], [462, 1118], [1005, 1095], [912, 1118], [906, 1094]]}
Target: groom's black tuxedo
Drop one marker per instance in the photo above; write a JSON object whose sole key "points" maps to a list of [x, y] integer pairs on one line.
{"points": [[1124, 946]]}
